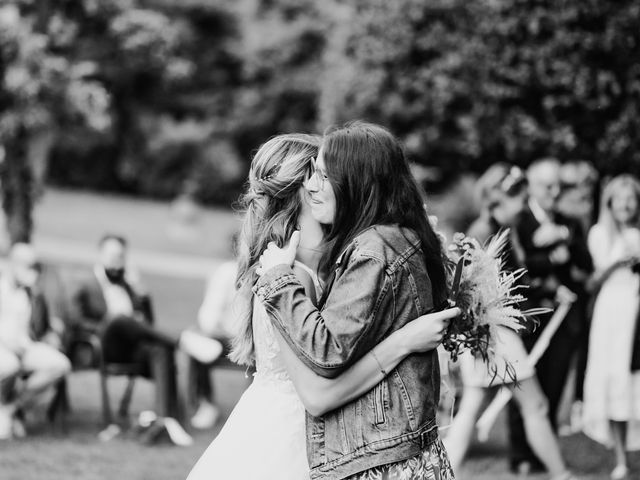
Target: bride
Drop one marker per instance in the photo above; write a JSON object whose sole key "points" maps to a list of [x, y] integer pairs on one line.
{"points": [[264, 437]]}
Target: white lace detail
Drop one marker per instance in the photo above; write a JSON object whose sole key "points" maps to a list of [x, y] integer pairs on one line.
{"points": [[268, 364], [269, 367]]}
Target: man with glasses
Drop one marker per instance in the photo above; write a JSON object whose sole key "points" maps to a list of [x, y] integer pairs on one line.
{"points": [[558, 262], [24, 351]]}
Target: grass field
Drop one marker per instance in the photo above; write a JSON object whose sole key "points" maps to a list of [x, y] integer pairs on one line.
{"points": [[50, 455]]}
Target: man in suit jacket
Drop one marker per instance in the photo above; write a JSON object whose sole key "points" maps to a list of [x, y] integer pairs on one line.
{"points": [[26, 340], [579, 200], [558, 262], [112, 304]]}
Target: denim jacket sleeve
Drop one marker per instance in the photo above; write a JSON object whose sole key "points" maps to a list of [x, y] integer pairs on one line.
{"points": [[330, 340]]}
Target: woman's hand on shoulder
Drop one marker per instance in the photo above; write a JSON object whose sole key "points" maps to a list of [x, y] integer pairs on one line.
{"points": [[275, 255], [425, 333]]}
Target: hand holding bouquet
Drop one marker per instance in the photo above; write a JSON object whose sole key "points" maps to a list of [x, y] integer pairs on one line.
{"points": [[487, 295]]}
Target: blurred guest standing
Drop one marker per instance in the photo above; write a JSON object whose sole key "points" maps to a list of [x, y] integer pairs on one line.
{"points": [[24, 329], [558, 262], [612, 389], [503, 193], [112, 304], [216, 320], [578, 182]]}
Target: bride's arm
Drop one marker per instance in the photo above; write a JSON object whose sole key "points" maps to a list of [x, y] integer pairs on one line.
{"points": [[321, 395]]}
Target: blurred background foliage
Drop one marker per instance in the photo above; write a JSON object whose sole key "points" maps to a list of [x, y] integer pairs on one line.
{"points": [[164, 98]]}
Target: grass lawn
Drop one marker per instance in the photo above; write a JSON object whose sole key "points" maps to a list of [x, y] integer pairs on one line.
{"points": [[50, 455], [151, 225]]}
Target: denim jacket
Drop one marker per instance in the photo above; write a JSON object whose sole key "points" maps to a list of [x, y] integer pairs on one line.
{"points": [[381, 283]]}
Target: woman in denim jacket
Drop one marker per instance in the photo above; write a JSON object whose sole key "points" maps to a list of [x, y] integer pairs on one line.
{"points": [[384, 265]]}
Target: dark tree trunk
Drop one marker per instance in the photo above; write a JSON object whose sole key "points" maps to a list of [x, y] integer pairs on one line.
{"points": [[129, 142], [17, 188]]}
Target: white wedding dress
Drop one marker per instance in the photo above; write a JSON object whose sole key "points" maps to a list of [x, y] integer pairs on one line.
{"points": [[264, 438], [611, 389]]}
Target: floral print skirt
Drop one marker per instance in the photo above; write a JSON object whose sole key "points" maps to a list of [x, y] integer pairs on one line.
{"points": [[432, 464]]}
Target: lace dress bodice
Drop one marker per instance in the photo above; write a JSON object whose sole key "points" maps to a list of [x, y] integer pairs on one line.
{"points": [[269, 366]]}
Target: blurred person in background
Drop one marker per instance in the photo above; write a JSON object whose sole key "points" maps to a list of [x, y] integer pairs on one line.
{"points": [[578, 200], [28, 345], [112, 304], [578, 192], [558, 262], [216, 319], [612, 384], [503, 196]]}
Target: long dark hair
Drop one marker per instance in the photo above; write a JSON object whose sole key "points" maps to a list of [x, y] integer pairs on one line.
{"points": [[373, 185]]}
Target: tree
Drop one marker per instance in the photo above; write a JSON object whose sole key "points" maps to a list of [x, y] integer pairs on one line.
{"points": [[137, 56], [564, 81], [467, 83], [38, 87], [88, 67], [170, 68], [280, 44]]}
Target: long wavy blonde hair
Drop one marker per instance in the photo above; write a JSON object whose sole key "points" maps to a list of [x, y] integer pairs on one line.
{"points": [[271, 204], [616, 184]]}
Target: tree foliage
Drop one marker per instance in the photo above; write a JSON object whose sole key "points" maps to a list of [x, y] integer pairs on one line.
{"points": [[466, 83], [40, 87], [166, 97]]}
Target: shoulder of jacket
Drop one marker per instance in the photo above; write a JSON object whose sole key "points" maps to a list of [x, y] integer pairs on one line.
{"points": [[383, 243]]}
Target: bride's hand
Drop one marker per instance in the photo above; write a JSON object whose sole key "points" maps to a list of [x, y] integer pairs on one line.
{"points": [[275, 255], [425, 333]]}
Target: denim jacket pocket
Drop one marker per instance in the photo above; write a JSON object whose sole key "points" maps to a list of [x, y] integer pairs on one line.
{"points": [[380, 402], [315, 441], [336, 430]]}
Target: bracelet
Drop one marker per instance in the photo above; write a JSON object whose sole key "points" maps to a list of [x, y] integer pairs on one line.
{"points": [[384, 373]]}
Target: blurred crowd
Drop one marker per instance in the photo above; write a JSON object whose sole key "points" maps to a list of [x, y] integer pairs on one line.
{"points": [[581, 265], [576, 235], [107, 324]]}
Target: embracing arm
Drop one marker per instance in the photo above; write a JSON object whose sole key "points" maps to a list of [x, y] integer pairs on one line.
{"points": [[321, 395], [327, 341]]}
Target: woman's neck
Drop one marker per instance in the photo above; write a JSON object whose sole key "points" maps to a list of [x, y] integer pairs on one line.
{"points": [[310, 249]]}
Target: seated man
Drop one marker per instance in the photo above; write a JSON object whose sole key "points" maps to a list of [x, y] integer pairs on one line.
{"points": [[24, 347], [215, 319], [112, 304]]}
